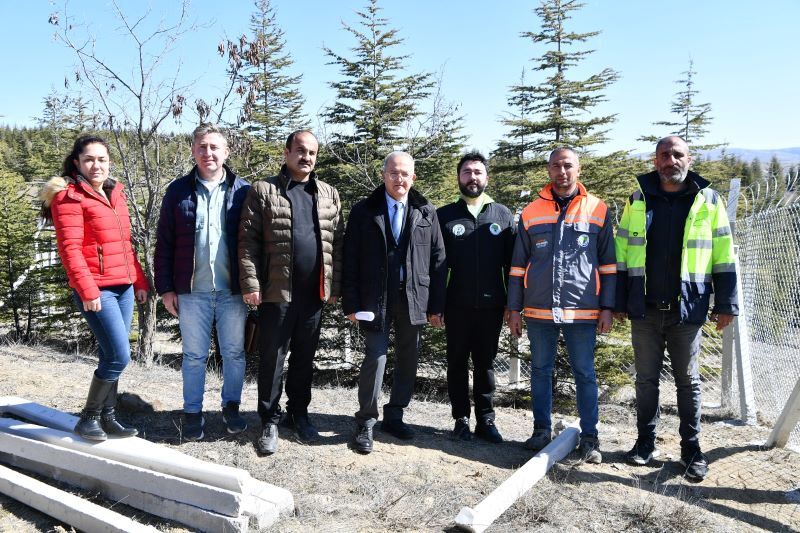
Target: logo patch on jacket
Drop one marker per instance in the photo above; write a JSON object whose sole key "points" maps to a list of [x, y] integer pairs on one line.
{"points": [[583, 240], [458, 230], [541, 243], [495, 229]]}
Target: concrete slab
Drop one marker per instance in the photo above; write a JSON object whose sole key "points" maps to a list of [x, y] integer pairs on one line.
{"points": [[171, 487], [68, 508], [188, 515]]}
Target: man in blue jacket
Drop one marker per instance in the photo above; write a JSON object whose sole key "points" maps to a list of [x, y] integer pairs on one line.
{"points": [[479, 238], [196, 274]]}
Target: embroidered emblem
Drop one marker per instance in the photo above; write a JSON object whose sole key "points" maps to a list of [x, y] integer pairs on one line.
{"points": [[541, 244], [495, 229], [583, 240], [458, 230]]}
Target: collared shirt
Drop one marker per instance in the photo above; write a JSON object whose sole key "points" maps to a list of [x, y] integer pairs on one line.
{"points": [[211, 262], [476, 208], [390, 203]]}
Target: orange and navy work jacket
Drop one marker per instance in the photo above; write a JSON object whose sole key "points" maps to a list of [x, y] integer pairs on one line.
{"points": [[563, 269]]}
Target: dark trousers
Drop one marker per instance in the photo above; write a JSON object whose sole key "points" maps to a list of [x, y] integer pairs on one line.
{"points": [[286, 327], [472, 333], [659, 330], [406, 354]]}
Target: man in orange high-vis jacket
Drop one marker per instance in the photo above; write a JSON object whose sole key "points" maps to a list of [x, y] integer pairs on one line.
{"points": [[562, 280]]}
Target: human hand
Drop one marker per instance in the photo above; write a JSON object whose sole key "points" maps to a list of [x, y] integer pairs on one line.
{"points": [[252, 298], [515, 323], [605, 321], [141, 296], [352, 318], [170, 300], [332, 300], [92, 305], [722, 320], [436, 321]]}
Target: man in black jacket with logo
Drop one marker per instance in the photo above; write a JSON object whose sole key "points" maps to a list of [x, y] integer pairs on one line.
{"points": [[394, 268], [479, 238]]}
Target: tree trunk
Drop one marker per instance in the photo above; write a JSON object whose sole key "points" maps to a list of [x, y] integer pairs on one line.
{"points": [[147, 331]]}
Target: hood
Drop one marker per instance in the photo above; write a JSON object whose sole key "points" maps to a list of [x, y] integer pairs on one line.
{"points": [[55, 185]]}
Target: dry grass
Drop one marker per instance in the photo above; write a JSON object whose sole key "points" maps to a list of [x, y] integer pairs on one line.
{"points": [[422, 485]]}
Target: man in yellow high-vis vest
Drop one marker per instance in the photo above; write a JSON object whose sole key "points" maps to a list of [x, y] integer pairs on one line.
{"points": [[674, 248]]}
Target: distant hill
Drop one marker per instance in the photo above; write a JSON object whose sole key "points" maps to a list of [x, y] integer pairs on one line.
{"points": [[787, 156]]}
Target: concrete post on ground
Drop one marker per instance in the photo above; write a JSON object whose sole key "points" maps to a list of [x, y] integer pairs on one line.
{"points": [[787, 420], [728, 333], [480, 517], [744, 369]]}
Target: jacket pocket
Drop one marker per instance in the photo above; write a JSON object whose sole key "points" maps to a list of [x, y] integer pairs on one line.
{"points": [[100, 259]]}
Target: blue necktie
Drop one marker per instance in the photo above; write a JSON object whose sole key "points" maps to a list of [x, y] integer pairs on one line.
{"points": [[397, 221]]}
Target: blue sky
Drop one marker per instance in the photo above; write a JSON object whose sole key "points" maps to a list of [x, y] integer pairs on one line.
{"points": [[745, 54]]}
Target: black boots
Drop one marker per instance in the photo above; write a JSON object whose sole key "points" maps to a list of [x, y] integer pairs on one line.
{"points": [[108, 419], [98, 420]]}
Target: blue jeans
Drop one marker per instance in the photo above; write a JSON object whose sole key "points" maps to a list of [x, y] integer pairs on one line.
{"points": [[659, 330], [580, 346], [111, 326], [196, 314]]}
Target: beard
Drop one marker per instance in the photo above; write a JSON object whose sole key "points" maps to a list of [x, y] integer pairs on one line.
{"points": [[472, 189], [674, 176]]}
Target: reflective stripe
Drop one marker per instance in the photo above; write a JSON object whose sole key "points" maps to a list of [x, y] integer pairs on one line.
{"points": [[566, 314], [607, 269], [721, 232], [517, 271], [723, 267], [696, 278], [636, 272], [622, 267], [525, 276], [636, 241], [622, 232], [699, 243], [535, 221]]}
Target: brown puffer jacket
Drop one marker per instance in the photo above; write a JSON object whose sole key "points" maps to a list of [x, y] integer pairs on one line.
{"points": [[265, 239]]}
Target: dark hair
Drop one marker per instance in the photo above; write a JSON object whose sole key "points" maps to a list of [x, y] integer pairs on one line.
{"points": [[472, 156], [290, 138], [69, 169], [561, 149]]}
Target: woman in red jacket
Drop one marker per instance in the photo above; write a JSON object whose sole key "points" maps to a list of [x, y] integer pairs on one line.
{"points": [[93, 231]]}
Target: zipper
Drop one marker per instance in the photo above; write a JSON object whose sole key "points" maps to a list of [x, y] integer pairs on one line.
{"points": [[100, 259]]}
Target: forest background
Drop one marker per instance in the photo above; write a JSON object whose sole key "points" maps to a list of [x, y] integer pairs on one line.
{"points": [[374, 88]]}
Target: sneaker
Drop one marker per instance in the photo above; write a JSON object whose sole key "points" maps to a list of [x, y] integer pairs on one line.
{"points": [[302, 426], [398, 428], [267, 443], [234, 422], [642, 452], [193, 426], [487, 431], [696, 465], [461, 429], [539, 439], [589, 450], [362, 442]]}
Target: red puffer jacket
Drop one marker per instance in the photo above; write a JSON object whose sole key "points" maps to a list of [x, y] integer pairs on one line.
{"points": [[94, 237]]}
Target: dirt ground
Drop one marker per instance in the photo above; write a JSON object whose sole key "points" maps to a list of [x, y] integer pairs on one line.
{"points": [[421, 485]]}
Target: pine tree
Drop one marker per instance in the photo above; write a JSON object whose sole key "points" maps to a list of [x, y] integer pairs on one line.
{"points": [[557, 111], [272, 103], [693, 119], [378, 109]]}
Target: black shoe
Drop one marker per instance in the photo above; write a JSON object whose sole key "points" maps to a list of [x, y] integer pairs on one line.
{"points": [[303, 428], [398, 428], [193, 426], [234, 422], [267, 443], [487, 431], [90, 424], [108, 418], [696, 465], [538, 441], [362, 442], [589, 450], [461, 429], [642, 452]]}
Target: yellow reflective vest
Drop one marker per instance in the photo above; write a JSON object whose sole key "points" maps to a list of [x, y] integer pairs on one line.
{"points": [[707, 256]]}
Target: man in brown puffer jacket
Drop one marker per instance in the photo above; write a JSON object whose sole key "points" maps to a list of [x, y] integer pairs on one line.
{"points": [[290, 243]]}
